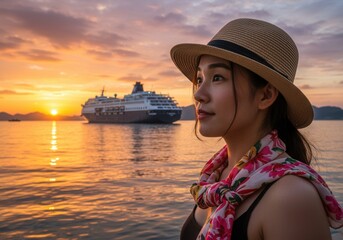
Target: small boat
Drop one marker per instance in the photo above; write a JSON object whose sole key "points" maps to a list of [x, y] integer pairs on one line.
{"points": [[14, 120]]}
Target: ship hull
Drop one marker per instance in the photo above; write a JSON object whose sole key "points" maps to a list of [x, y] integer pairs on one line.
{"points": [[155, 116]]}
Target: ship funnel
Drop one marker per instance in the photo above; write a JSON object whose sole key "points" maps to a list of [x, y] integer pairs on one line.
{"points": [[138, 88]]}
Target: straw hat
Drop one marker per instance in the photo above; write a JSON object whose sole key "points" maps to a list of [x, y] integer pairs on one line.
{"points": [[262, 48]]}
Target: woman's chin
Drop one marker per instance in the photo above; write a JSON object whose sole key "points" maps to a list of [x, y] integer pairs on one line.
{"points": [[207, 132]]}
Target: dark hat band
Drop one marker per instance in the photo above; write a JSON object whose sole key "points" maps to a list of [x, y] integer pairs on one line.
{"points": [[233, 47]]}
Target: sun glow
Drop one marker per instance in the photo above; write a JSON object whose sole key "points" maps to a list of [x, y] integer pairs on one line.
{"points": [[54, 112]]}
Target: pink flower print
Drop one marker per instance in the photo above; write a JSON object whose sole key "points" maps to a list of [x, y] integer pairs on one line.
{"points": [[251, 166], [277, 142], [276, 170], [321, 180], [222, 227], [208, 167], [267, 168], [263, 155], [333, 207], [274, 135]]}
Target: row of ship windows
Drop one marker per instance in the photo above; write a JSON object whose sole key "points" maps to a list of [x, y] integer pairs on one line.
{"points": [[142, 108], [134, 102], [158, 104], [159, 97], [136, 108], [109, 113], [123, 102]]}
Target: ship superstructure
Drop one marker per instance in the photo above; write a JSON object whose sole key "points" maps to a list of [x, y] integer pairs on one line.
{"points": [[138, 107]]}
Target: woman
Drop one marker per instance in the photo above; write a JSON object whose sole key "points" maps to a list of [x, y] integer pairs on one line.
{"points": [[254, 188]]}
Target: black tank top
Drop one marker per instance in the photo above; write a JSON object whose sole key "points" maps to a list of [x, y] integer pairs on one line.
{"points": [[191, 228]]}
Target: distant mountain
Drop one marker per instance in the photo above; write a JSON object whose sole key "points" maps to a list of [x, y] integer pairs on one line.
{"points": [[37, 116], [320, 113], [5, 116], [188, 113], [328, 113]]}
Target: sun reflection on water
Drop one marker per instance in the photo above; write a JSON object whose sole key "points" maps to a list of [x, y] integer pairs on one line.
{"points": [[54, 158]]}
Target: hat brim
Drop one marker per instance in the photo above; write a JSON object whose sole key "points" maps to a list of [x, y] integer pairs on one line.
{"points": [[299, 109]]}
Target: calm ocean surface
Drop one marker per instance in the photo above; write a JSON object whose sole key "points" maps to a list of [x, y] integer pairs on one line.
{"points": [[74, 180]]}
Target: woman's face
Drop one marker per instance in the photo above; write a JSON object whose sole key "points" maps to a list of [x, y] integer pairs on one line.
{"points": [[215, 101]]}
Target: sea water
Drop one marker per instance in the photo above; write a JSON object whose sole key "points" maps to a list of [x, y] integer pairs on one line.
{"points": [[74, 180]]}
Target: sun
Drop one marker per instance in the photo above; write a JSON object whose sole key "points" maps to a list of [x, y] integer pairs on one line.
{"points": [[54, 112]]}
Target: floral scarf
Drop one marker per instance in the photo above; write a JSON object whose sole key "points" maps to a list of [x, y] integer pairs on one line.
{"points": [[262, 164]]}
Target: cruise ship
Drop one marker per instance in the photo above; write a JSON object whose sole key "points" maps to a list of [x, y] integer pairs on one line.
{"points": [[138, 107]]}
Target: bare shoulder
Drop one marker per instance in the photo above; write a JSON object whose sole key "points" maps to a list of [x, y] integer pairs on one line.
{"points": [[294, 188], [294, 210]]}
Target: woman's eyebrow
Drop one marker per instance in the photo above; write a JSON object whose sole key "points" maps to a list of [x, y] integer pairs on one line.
{"points": [[218, 65]]}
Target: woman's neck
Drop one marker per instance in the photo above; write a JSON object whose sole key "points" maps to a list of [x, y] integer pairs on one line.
{"points": [[240, 143]]}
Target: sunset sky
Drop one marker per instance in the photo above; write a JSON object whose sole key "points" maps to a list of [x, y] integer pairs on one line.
{"points": [[57, 54]]}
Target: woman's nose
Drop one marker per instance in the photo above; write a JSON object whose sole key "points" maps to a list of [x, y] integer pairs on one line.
{"points": [[201, 94]]}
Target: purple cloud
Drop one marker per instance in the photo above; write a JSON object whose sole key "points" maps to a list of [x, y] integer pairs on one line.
{"points": [[39, 55], [60, 29], [11, 42], [105, 39], [178, 22]]}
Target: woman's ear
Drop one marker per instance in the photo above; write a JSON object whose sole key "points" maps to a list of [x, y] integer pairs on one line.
{"points": [[267, 96]]}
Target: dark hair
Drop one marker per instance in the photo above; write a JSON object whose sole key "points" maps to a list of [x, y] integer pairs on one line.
{"points": [[298, 146]]}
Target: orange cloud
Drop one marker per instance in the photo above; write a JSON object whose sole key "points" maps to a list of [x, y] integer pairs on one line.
{"points": [[11, 92]]}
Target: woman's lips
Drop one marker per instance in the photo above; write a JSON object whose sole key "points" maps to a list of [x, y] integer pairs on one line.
{"points": [[202, 114]]}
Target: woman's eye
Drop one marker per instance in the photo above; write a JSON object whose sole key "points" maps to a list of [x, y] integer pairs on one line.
{"points": [[217, 78], [198, 81]]}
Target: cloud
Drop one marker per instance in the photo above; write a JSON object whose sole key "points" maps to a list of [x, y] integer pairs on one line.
{"points": [[101, 7], [36, 67], [137, 78], [305, 86], [60, 29], [100, 55], [25, 85], [104, 55], [171, 18], [11, 92], [11, 42], [63, 29], [325, 53], [260, 14], [319, 44], [125, 53], [105, 39], [104, 76], [4, 45], [48, 88], [328, 46], [39, 55], [178, 22], [170, 73]]}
